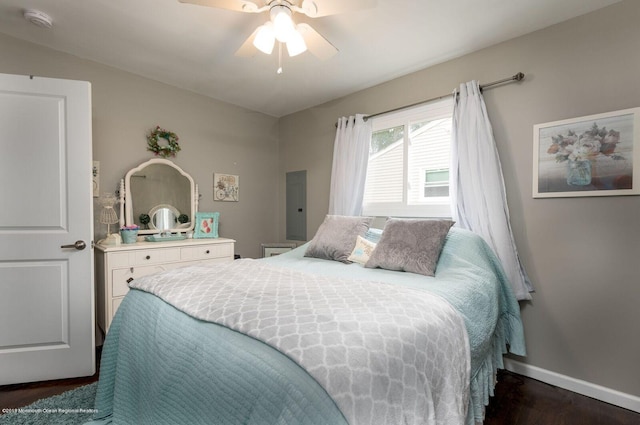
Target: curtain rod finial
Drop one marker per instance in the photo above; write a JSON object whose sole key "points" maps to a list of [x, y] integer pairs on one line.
{"points": [[519, 76]]}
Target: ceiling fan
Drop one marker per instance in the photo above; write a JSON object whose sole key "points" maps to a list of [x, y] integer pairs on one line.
{"points": [[280, 27]]}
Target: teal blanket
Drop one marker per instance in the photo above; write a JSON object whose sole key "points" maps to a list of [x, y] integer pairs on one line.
{"points": [[160, 366], [470, 277]]}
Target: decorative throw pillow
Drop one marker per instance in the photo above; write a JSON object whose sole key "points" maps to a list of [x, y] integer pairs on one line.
{"points": [[410, 245], [362, 250], [373, 235], [336, 237]]}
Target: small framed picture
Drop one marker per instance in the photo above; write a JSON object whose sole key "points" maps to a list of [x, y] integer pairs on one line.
{"points": [[206, 225], [595, 155], [226, 187]]}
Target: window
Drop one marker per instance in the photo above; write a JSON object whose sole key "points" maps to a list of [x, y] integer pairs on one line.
{"points": [[408, 173], [436, 183]]}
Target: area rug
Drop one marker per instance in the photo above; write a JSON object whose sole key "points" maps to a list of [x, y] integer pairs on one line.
{"points": [[73, 407]]}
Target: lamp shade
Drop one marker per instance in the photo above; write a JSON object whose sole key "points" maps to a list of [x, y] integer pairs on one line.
{"points": [[296, 44], [108, 216], [265, 38], [282, 23]]}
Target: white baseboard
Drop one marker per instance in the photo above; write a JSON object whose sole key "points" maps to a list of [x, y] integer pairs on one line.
{"points": [[598, 392]]}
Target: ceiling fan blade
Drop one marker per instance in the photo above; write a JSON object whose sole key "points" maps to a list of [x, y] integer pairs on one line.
{"points": [[237, 5], [319, 46], [247, 49], [318, 8]]}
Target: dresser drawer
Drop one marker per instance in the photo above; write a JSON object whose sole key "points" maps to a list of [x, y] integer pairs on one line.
{"points": [[118, 259], [206, 252], [143, 257], [121, 277], [154, 256]]}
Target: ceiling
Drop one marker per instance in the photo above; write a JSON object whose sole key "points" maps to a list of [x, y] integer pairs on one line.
{"points": [[192, 47]]}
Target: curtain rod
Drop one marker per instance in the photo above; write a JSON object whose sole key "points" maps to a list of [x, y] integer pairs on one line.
{"points": [[517, 77]]}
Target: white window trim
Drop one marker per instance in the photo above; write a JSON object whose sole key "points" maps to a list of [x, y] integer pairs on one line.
{"points": [[432, 210]]}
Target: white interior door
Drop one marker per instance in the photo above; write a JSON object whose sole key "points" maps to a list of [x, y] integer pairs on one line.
{"points": [[46, 291]]}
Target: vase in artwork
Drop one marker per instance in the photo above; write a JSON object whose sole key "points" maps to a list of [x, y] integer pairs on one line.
{"points": [[578, 173]]}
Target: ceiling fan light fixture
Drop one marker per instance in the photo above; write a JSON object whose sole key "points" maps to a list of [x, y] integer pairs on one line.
{"points": [[310, 8], [282, 23], [265, 38], [296, 44]]}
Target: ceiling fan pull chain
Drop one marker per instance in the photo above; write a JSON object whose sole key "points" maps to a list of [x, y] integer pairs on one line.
{"points": [[279, 71]]}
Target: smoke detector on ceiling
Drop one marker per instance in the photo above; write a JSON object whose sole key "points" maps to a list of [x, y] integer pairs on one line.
{"points": [[38, 18]]}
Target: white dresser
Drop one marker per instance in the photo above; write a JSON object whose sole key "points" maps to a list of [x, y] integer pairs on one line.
{"points": [[116, 266]]}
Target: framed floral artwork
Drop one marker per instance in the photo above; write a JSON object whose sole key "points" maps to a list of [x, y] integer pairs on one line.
{"points": [[595, 155], [206, 225], [226, 187]]}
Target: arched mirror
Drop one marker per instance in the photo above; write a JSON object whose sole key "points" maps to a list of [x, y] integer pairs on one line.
{"points": [[160, 197]]}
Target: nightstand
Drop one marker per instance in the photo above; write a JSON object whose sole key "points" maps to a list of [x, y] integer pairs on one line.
{"points": [[271, 249]]}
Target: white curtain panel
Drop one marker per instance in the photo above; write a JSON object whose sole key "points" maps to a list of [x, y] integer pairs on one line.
{"points": [[349, 171], [478, 197]]}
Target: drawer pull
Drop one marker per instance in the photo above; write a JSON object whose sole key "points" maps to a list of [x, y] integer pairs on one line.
{"points": [[130, 280], [207, 251], [148, 257]]}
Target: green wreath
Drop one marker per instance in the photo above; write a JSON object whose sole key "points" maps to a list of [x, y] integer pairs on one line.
{"points": [[170, 149]]}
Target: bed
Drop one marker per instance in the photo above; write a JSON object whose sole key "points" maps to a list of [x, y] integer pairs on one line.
{"points": [[400, 347]]}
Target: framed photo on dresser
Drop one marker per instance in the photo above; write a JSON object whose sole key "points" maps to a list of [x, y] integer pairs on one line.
{"points": [[206, 225]]}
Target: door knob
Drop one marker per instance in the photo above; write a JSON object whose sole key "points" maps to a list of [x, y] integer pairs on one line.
{"points": [[79, 245]]}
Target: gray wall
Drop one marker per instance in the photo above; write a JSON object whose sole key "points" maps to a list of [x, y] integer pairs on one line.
{"points": [[583, 254], [214, 137]]}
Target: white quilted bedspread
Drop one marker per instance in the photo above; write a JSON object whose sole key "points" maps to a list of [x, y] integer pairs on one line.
{"points": [[386, 354]]}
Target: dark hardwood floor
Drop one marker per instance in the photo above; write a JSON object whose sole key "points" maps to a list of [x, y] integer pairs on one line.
{"points": [[20, 395], [525, 401], [518, 401]]}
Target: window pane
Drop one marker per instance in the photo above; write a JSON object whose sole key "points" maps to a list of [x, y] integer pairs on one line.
{"points": [[436, 191], [384, 138], [436, 183], [384, 174], [428, 159], [436, 176]]}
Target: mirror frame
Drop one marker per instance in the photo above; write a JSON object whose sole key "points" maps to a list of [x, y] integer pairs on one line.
{"points": [[159, 207], [128, 202]]}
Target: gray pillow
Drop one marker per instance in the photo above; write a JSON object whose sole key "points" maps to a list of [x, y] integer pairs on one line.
{"points": [[410, 245], [336, 237]]}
